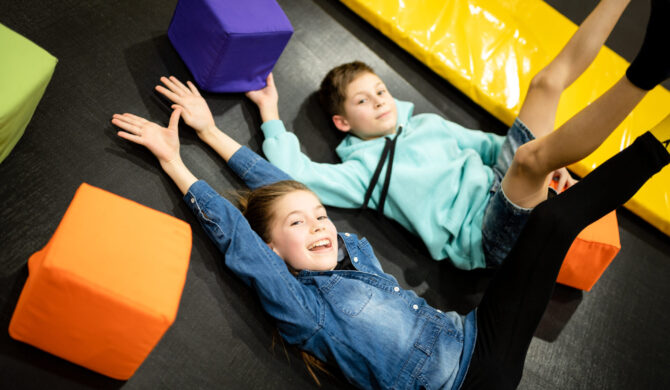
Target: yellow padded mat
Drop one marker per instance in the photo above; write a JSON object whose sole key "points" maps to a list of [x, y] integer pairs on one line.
{"points": [[491, 49]]}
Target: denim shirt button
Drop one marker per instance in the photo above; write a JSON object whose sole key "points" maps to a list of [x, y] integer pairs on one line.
{"points": [[396, 288], [415, 307], [347, 234], [439, 311], [355, 259], [192, 200]]}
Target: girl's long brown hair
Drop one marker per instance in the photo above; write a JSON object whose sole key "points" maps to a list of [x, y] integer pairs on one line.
{"points": [[257, 207]]}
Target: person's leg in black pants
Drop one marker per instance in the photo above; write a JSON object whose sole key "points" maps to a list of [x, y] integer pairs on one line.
{"points": [[517, 297]]}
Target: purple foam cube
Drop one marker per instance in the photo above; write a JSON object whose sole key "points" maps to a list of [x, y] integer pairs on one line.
{"points": [[229, 45]]}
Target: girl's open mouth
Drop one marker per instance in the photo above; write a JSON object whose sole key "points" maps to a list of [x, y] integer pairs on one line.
{"points": [[320, 245]]}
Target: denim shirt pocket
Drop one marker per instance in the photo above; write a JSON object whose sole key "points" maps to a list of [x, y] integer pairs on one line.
{"points": [[350, 296]]}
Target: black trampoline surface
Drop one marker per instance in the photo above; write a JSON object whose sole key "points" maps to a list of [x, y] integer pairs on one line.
{"points": [[111, 55]]}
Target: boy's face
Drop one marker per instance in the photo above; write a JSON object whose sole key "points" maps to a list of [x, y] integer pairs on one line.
{"points": [[302, 234], [369, 109]]}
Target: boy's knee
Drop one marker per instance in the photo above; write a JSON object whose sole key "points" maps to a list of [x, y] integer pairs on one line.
{"points": [[549, 80], [528, 160]]}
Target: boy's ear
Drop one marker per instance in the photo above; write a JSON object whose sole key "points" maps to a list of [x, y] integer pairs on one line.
{"points": [[341, 123]]}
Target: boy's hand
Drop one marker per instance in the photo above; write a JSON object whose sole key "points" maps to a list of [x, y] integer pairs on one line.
{"points": [[195, 110], [161, 141], [267, 99]]}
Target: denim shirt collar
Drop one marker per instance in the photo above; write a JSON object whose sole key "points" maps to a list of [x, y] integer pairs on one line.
{"points": [[357, 251]]}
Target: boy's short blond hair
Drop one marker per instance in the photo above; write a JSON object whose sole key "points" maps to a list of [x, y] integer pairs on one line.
{"points": [[333, 90]]}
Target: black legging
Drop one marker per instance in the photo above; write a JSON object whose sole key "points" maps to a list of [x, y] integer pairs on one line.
{"points": [[517, 297]]}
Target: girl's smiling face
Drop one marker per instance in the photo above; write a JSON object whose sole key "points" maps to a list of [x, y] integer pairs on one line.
{"points": [[302, 234]]}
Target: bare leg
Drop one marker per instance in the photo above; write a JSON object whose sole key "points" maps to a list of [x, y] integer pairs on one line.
{"points": [[538, 111], [526, 181]]}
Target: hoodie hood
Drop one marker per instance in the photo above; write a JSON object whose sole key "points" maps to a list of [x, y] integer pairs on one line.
{"points": [[351, 143]]}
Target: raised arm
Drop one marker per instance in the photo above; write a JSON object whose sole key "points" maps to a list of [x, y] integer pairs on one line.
{"points": [[163, 142], [249, 166], [267, 100], [196, 113], [340, 185], [282, 296]]}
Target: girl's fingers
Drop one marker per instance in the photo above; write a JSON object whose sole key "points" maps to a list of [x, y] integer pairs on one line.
{"points": [[127, 126], [177, 106], [167, 93], [179, 85], [120, 120], [129, 137], [169, 82], [130, 118], [572, 182], [193, 89], [130, 122], [174, 118], [562, 181]]}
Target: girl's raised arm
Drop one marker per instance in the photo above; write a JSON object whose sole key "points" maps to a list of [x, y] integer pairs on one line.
{"points": [[245, 252], [196, 113], [249, 166], [163, 142]]}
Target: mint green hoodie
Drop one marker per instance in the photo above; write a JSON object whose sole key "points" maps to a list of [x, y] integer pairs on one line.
{"points": [[439, 186]]}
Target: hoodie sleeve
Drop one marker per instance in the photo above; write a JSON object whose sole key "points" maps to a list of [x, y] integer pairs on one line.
{"points": [[486, 144], [338, 185]]}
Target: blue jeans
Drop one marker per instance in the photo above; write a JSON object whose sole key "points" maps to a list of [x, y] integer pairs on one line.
{"points": [[503, 220]]}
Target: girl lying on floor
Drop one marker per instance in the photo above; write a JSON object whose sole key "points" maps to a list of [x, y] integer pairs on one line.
{"points": [[328, 293]]}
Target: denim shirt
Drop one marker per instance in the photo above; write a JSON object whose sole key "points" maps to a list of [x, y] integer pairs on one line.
{"points": [[379, 334]]}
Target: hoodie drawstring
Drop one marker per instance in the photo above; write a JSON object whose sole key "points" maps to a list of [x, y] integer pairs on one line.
{"points": [[389, 150]]}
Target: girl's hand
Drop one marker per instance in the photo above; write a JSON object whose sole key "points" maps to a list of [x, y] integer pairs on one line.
{"points": [[195, 110], [163, 142], [563, 179]]}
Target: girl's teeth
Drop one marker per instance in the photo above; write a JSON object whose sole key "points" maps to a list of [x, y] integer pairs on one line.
{"points": [[319, 244]]}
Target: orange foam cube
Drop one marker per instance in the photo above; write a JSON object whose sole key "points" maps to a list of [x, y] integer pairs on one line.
{"points": [[591, 252], [107, 285]]}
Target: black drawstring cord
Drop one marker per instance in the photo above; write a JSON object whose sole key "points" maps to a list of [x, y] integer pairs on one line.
{"points": [[389, 150], [375, 176]]}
